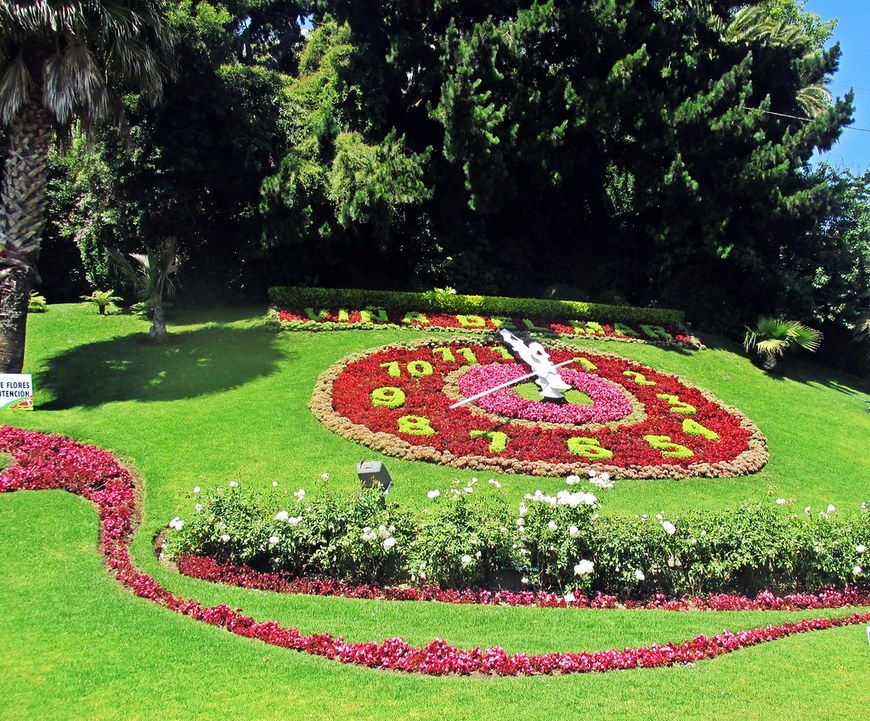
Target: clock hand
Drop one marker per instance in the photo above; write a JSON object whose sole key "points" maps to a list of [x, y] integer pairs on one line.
{"points": [[537, 358], [503, 385]]}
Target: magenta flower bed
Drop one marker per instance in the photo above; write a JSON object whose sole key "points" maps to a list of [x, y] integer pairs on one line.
{"points": [[609, 403], [208, 569], [43, 462]]}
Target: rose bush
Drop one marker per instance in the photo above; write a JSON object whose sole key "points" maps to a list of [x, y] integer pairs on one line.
{"points": [[468, 536]]}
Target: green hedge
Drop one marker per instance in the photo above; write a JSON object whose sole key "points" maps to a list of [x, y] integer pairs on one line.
{"points": [[435, 302], [472, 537]]}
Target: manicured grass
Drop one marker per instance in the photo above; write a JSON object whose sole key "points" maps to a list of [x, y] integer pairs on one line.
{"points": [[227, 400], [74, 645]]}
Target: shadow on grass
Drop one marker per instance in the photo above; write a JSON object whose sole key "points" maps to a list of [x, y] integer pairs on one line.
{"points": [[804, 371], [800, 368], [195, 315], [192, 364]]}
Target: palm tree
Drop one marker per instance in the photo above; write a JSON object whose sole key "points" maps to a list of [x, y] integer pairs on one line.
{"points": [[772, 337], [756, 24], [152, 280], [61, 62]]}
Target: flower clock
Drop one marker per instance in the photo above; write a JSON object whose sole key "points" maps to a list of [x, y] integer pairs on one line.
{"points": [[410, 400]]}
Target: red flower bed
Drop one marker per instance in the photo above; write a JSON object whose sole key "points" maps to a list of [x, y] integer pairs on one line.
{"points": [[207, 569], [397, 398], [48, 462], [337, 319]]}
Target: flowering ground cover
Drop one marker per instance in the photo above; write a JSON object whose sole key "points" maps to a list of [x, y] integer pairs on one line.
{"points": [[42, 462], [225, 402], [314, 319], [640, 423], [208, 569]]}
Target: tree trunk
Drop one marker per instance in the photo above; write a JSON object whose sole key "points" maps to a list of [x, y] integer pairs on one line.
{"points": [[14, 298], [22, 216], [158, 332]]}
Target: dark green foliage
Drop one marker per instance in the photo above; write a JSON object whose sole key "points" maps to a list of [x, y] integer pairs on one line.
{"points": [[345, 186], [191, 168], [624, 138], [471, 538], [454, 303], [645, 152]]}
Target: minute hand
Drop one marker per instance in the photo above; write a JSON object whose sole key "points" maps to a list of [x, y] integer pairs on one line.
{"points": [[504, 385]]}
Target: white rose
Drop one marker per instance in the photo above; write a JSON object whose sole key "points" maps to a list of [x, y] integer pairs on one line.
{"points": [[583, 568]]}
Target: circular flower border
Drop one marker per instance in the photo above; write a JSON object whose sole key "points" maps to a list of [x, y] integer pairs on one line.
{"points": [[395, 399], [43, 462]]}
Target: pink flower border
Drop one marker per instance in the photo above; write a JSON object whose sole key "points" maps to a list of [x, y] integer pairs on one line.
{"points": [[208, 569], [43, 462], [609, 402]]}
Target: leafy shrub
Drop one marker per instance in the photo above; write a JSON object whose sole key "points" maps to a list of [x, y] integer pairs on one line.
{"points": [[469, 537], [347, 538], [558, 532], [36, 303], [104, 300], [446, 302], [464, 540]]}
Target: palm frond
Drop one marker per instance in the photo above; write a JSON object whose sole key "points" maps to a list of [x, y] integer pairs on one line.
{"points": [[814, 99], [152, 275], [84, 75], [772, 337], [803, 336], [771, 347], [14, 90], [102, 48], [57, 94], [749, 24]]}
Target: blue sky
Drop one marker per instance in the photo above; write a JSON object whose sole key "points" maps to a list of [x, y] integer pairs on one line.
{"points": [[852, 152]]}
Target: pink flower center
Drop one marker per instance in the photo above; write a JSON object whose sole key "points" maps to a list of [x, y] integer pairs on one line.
{"points": [[609, 402]]}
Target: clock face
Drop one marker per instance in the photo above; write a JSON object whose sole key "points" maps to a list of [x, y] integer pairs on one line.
{"points": [[619, 416]]}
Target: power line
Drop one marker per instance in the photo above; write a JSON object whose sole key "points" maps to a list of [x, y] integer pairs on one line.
{"points": [[806, 120], [850, 87]]}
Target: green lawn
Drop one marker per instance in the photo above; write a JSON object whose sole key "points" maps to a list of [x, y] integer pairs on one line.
{"points": [[227, 401]]}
